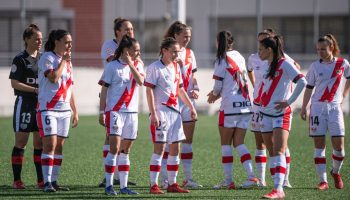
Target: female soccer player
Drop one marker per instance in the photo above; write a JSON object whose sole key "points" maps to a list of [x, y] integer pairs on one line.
{"points": [[56, 104], [327, 75], [275, 100], [121, 27], [188, 65], [235, 111], [119, 99], [23, 75], [164, 86]]}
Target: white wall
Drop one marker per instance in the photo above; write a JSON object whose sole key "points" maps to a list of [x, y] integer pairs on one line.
{"points": [[86, 91]]}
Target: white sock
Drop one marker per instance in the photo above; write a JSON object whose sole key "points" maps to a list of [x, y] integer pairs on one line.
{"points": [[280, 173], [287, 154], [186, 159], [110, 165], [246, 160], [173, 168], [123, 169], [47, 165], [227, 162], [163, 170], [338, 159], [57, 161], [154, 167], [260, 162], [320, 163]]}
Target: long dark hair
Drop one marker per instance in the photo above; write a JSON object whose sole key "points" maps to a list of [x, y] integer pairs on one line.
{"points": [[176, 28], [126, 42], [29, 31], [332, 42], [225, 42], [118, 23], [166, 44], [53, 36], [276, 44]]}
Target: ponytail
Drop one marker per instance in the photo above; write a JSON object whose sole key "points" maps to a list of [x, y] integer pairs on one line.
{"points": [[225, 43], [53, 36]]}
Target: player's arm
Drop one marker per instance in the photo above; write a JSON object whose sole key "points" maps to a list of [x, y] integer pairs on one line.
{"points": [[137, 76], [151, 106], [23, 87], [74, 110], [195, 91], [103, 96], [306, 99], [184, 97], [251, 77], [56, 74], [346, 88]]}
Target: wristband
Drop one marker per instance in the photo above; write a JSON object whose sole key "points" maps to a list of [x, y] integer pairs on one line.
{"points": [[102, 112]]}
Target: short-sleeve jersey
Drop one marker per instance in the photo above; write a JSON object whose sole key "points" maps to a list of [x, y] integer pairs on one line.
{"points": [[233, 74], [259, 67], [108, 49], [123, 91], [165, 81], [25, 70], [328, 80], [278, 88], [190, 67], [54, 96]]}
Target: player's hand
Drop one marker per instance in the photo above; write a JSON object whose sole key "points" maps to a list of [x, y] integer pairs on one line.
{"points": [[67, 56], [194, 114], [75, 120], [194, 94], [280, 105], [154, 120], [212, 98], [101, 119], [180, 62], [303, 114], [127, 58]]}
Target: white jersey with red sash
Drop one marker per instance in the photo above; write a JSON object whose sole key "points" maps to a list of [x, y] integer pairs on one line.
{"points": [[278, 88], [328, 80], [123, 91], [234, 93], [190, 67], [54, 96], [165, 81]]}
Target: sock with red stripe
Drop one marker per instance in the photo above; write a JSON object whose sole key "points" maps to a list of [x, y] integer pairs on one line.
{"points": [[57, 161], [172, 168], [320, 163], [123, 169], [287, 154], [227, 162], [47, 165], [154, 168], [163, 170], [272, 165], [280, 173], [338, 159], [37, 163], [260, 162], [186, 159], [17, 160], [246, 160], [110, 165]]}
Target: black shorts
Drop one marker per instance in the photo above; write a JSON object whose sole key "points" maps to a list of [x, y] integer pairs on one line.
{"points": [[24, 114]]}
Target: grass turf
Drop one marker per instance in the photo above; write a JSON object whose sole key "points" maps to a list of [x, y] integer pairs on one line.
{"points": [[82, 167]]}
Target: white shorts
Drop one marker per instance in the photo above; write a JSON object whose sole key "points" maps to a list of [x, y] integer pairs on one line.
{"points": [[53, 123], [170, 127], [326, 117], [122, 124], [255, 125], [186, 112], [268, 122], [239, 120]]}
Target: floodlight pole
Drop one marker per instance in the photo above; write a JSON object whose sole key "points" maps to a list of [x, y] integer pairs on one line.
{"points": [[23, 17], [316, 19]]}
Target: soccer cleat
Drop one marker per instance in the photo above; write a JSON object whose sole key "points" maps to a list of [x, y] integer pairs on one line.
{"points": [[155, 190], [40, 185], [175, 188], [127, 191], [252, 182], [286, 184], [191, 184], [338, 182], [274, 194], [323, 186], [224, 185], [262, 184], [110, 191], [164, 184], [103, 183], [19, 185], [59, 187], [48, 187]]}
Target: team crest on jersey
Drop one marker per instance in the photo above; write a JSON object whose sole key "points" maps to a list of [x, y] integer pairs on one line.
{"points": [[313, 129], [23, 126], [13, 68], [47, 129], [277, 73], [339, 71], [160, 135]]}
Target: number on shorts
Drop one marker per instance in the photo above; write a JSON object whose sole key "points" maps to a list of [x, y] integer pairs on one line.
{"points": [[161, 127], [314, 120], [256, 117], [47, 120], [26, 118]]}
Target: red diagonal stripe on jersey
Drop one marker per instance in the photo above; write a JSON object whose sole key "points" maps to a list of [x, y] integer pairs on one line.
{"points": [[233, 70], [338, 73], [257, 100], [266, 97], [172, 101], [186, 78], [62, 91]]}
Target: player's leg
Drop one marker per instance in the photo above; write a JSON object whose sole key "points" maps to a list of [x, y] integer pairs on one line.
{"points": [[320, 161], [260, 158], [38, 149]]}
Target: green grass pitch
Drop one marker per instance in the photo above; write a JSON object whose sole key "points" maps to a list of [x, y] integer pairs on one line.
{"points": [[82, 167]]}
